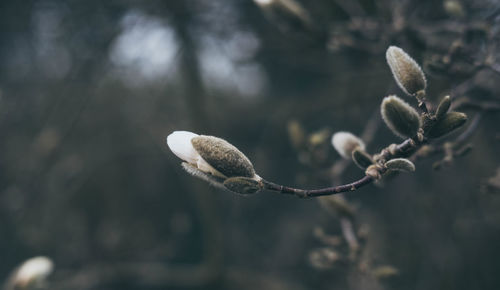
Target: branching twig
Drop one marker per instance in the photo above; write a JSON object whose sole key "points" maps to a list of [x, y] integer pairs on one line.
{"points": [[404, 149]]}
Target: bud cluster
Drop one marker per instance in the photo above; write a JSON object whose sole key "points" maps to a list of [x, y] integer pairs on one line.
{"points": [[221, 164], [402, 119]]}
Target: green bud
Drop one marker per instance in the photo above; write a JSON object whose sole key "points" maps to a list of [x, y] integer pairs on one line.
{"points": [[405, 70], [223, 156], [443, 107], [243, 185], [400, 164], [361, 158], [447, 124], [400, 117]]}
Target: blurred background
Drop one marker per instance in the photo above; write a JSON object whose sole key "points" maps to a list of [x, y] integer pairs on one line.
{"points": [[89, 90]]}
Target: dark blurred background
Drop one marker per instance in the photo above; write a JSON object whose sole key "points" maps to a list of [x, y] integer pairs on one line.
{"points": [[89, 90]]}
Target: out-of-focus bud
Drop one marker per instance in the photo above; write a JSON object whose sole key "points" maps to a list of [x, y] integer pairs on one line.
{"points": [[336, 204], [454, 8], [382, 272], [215, 161], [345, 143], [443, 107], [288, 14], [31, 274], [263, 2], [447, 124], [296, 133], [361, 158], [400, 164], [406, 71], [323, 258], [401, 118]]}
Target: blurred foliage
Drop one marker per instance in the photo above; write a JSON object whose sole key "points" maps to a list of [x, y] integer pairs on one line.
{"points": [[90, 89]]}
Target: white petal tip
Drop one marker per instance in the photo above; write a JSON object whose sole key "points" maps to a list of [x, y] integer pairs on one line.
{"points": [[34, 269], [345, 143], [179, 143]]}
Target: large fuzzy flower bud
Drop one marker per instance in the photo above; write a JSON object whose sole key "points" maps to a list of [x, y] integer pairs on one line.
{"points": [[180, 143], [401, 118], [405, 70], [214, 160], [448, 123]]}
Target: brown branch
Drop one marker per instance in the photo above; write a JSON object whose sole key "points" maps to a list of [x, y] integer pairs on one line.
{"points": [[305, 193], [405, 148]]}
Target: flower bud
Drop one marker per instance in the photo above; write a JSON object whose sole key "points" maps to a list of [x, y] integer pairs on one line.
{"points": [[345, 143], [401, 118], [243, 185], [447, 124], [405, 70], [443, 107], [400, 164], [210, 155], [32, 273], [383, 272], [323, 258], [222, 156], [215, 161], [180, 144], [337, 204], [361, 158]]}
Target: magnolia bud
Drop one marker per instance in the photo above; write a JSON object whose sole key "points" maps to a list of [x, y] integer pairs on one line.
{"points": [[215, 161], [337, 204], [32, 273], [210, 154], [361, 158], [323, 258], [447, 124], [223, 156], [405, 70], [400, 164], [382, 272], [345, 143], [443, 107], [400, 117]]}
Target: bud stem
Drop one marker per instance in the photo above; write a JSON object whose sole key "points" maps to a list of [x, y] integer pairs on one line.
{"points": [[421, 101], [403, 149]]}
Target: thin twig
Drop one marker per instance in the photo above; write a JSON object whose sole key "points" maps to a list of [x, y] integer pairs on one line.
{"points": [[405, 148]]}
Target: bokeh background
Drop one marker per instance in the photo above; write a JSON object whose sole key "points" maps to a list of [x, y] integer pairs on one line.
{"points": [[89, 90]]}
